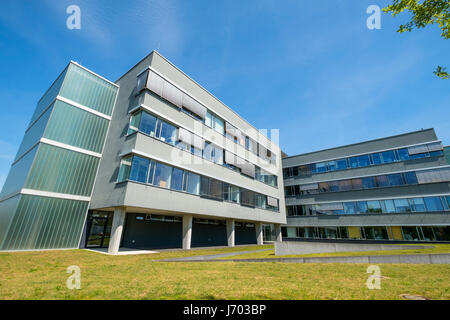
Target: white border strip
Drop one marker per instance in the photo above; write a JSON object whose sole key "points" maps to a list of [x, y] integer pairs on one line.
{"points": [[69, 147], [80, 106], [54, 195]]}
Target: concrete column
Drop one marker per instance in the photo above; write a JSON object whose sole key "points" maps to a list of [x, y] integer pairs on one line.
{"points": [[187, 231], [259, 233], [278, 236], [230, 233], [116, 230]]}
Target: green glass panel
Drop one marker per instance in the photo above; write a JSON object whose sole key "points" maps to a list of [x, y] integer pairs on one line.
{"points": [[34, 133], [18, 173], [89, 90], [76, 127], [447, 154], [45, 223], [7, 210], [48, 96], [64, 171]]}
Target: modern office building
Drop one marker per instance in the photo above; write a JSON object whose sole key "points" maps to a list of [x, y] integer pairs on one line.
{"points": [[394, 188], [150, 161]]}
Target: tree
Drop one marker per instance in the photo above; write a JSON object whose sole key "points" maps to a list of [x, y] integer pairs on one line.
{"points": [[423, 14]]}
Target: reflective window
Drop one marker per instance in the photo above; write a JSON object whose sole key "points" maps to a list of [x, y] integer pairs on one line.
{"points": [[357, 184], [177, 179], [211, 188], [332, 166], [376, 158], [321, 167], [341, 164], [139, 169], [162, 175], [247, 197], [353, 162], [192, 183], [388, 156], [390, 207], [395, 179], [417, 205], [410, 233], [168, 133], [362, 207], [368, 182], [134, 122], [364, 161], [382, 181], [124, 170], [433, 204], [403, 154], [374, 206], [402, 205], [215, 122], [410, 178], [350, 207], [148, 124], [260, 200]]}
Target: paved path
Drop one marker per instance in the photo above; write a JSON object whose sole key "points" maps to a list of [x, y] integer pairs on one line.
{"points": [[215, 256]]}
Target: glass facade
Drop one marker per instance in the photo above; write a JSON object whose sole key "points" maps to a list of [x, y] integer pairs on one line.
{"points": [[156, 127], [366, 160], [45, 222], [139, 169], [425, 204], [383, 233]]}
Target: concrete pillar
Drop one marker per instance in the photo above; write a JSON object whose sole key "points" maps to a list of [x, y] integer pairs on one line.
{"points": [[278, 236], [259, 233], [187, 231], [230, 233], [116, 230]]}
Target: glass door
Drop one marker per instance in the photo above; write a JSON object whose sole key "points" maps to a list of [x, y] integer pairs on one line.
{"points": [[98, 229]]}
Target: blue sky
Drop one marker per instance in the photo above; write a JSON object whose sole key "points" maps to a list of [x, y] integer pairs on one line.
{"points": [[309, 68]]}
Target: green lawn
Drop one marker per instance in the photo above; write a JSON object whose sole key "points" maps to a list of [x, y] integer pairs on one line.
{"points": [[438, 248], [42, 275]]}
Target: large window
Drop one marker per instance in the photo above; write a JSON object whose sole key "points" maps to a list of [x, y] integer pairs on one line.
{"points": [[266, 177], [139, 169], [177, 179], [247, 198], [148, 124], [231, 193], [191, 183], [402, 205], [124, 170], [211, 188], [433, 204], [162, 175], [215, 122]]}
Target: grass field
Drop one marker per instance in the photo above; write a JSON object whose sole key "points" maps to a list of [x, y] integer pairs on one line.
{"points": [[434, 248], [42, 275]]}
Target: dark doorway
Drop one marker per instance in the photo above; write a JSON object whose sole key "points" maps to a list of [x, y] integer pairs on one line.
{"points": [[98, 229]]}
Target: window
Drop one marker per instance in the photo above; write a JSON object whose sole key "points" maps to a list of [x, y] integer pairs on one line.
{"points": [[331, 166], [177, 179], [368, 182], [376, 158], [445, 202], [395, 179], [148, 124], [323, 187], [433, 204], [139, 169], [374, 207], [162, 175], [124, 170], [390, 207], [353, 162], [357, 184], [334, 186], [363, 161], [410, 233], [211, 188], [134, 122], [362, 207], [265, 177], [402, 205], [260, 200], [350, 207], [191, 183], [388, 156], [168, 133], [417, 205], [382, 181], [403, 154], [410, 177], [321, 167], [341, 164], [247, 198], [345, 185], [213, 121]]}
